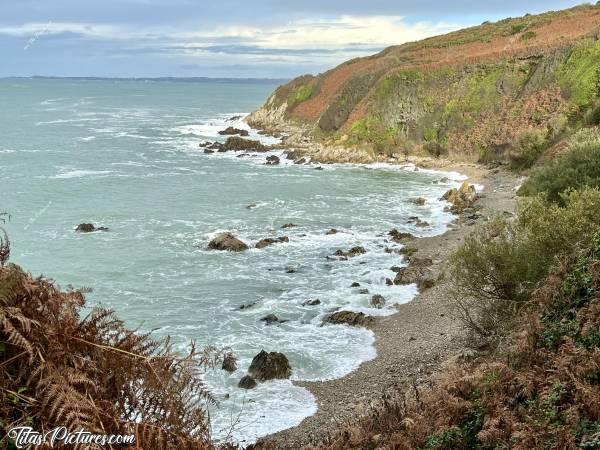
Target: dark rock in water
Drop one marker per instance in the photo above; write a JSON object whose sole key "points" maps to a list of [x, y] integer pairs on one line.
{"points": [[290, 270], [417, 272], [389, 282], [314, 302], [270, 366], [272, 160], [251, 205], [235, 118], [229, 131], [247, 305], [237, 143], [354, 251], [268, 241], [348, 318], [398, 236], [417, 221], [300, 161], [355, 284], [419, 201], [363, 291], [216, 146], [318, 168], [227, 241], [208, 152], [332, 231], [270, 319], [289, 225], [293, 154], [247, 382], [377, 301], [396, 269], [89, 228], [229, 363]]}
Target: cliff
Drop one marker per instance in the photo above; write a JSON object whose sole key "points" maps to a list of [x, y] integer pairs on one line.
{"points": [[475, 93]]}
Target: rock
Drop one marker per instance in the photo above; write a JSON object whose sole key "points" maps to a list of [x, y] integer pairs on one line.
{"points": [[363, 291], [270, 319], [318, 168], [268, 241], [300, 161], [417, 272], [247, 382], [232, 131], [408, 251], [314, 302], [377, 301], [348, 318], [228, 242], [269, 366], [235, 118], [461, 198], [236, 143], [355, 284], [251, 205], [272, 160], [332, 231], [289, 225], [401, 237], [445, 180], [354, 251], [208, 152], [229, 363], [290, 270], [247, 305], [215, 146], [418, 222], [388, 282], [89, 228], [419, 201]]}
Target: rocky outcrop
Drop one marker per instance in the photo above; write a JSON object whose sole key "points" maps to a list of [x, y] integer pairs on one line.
{"points": [[230, 131], [272, 160], [419, 201], [354, 251], [400, 237], [229, 363], [314, 302], [377, 301], [227, 242], [247, 382], [89, 228], [269, 366], [269, 241], [270, 319], [418, 271], [418, 222], [331, 231], [462, 198], [355, 319]]}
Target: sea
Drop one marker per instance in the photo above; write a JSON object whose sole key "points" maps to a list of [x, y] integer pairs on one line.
{"points": [[125, 154]]}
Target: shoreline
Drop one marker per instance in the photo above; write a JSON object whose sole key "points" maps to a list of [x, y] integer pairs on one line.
{"points": [[412, 344]]}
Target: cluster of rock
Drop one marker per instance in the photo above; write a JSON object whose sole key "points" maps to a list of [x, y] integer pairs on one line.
{"points": [[235, 143], [418, 272], [89, 228], [228, 242], [355, 319], [230, 131], [354, 251], [462, 198], [266, 366]]}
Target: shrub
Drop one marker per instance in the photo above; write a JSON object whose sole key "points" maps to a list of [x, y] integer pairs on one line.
{"points": [[592, 115], [435, 149], [528, 148], [575, 169], [497, 268]]}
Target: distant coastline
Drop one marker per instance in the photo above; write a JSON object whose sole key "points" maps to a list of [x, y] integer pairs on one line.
{"points": [[157, 79]]}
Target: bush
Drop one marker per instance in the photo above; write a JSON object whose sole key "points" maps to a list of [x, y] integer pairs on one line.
{"points": [[497, 268], [435, 149], [592, 115], [529, 147], [578, 168]]}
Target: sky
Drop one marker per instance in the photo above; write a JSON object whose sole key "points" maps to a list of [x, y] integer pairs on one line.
{"points": [[223, 38]]}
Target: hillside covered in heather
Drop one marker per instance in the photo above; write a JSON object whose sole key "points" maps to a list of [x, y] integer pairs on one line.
{"points": [[504, 90]]}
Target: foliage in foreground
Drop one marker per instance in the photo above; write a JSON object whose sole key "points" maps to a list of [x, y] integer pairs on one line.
{"points": [[543, 392], [577, 168], [58, 369]]}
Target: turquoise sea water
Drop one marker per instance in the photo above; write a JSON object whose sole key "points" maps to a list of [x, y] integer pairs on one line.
{"points": [[124, 154]]}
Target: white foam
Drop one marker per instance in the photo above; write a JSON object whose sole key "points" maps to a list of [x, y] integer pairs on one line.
{"points": [[81, 173]]}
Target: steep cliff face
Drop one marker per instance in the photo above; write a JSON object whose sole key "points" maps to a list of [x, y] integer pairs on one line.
{"points": [[474, 93]]}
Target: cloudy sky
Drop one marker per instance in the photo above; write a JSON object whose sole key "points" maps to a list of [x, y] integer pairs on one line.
{"points": [[223, 38]]}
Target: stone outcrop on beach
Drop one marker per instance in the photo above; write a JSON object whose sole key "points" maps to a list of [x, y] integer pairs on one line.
{"points": [[269, 366], [400, 237], [269, 241], [355, 319], [89, 228], [418, 271], [461, 198], [228, 242], [229, 131], [247, 382]]}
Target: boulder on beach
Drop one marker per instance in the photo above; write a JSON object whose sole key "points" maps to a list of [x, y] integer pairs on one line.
{"points": [[236, 143], [229, 363], [268, 241], [269, 366], [228, 242], [355, 319], [354, 251], [272, 160], [401, 237], [230, 131], [462, 198], [89, 228], [247, 382], [418, 271], [377, 301]]}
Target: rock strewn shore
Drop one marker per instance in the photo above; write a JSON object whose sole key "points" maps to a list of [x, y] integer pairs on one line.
{"points": [[413, 343]]}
